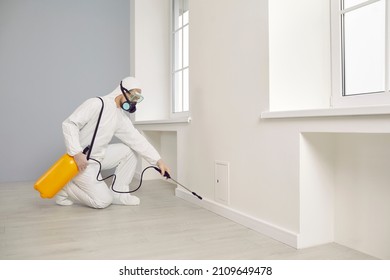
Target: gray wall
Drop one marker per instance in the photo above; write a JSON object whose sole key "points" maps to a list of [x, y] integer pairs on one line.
{"points": [[54, 54]]}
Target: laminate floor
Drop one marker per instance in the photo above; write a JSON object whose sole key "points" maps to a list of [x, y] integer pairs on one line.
{"points": [[162, 227]]}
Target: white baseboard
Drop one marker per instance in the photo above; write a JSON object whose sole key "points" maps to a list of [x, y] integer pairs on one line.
{"points": [[270, 230]]}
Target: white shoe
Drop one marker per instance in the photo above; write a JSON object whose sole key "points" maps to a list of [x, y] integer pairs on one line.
{"points": [[125, 199], [63, 199]]}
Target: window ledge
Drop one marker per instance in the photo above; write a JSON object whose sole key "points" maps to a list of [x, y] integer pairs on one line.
{"points": [[329, 112], [169, 121]]}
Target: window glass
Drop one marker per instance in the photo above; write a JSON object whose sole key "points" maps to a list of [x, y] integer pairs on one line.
{"points": [[185, 46], [178, 41], [186, 90], [364, 49], [178, 92], [180, 73]]}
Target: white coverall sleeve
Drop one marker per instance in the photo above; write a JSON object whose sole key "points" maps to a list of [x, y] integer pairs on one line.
{"points": [[75, 122], [136, 141]]}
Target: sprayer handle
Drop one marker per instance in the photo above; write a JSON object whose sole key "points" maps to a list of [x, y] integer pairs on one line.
{"points": [[86, 149], [166, 174]]}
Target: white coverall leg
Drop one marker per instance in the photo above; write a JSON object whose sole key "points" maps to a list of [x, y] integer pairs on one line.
{"points": [[125, 160], [85, 189]]}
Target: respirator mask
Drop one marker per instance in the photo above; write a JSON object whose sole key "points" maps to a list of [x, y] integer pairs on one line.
{"points": [[132, 98]]}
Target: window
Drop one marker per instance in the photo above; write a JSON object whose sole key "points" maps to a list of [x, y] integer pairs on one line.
{"points": [[360, 53], [180, 63]]}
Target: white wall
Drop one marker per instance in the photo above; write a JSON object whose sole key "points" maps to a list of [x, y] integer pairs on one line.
{"points": [[151, 46], [299, 54], [229, 88], [363, 193], [166, 143], [344, 191], [317, 189], [53, 56]]}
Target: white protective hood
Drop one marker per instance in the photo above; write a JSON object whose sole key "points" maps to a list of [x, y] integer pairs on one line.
{"points": [[128, 83]]}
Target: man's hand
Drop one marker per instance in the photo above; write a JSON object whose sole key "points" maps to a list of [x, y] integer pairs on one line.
{"points": [[81, 161], [163, 167]]}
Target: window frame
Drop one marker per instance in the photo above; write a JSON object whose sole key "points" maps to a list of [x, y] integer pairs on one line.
{"points": [[338, 99], [173, 31]]}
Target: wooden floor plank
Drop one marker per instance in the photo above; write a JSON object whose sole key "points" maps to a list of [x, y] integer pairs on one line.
{"points": [[162, 227]]}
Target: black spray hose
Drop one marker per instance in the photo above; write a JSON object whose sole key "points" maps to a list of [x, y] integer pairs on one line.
{"points": [[166, 175]]}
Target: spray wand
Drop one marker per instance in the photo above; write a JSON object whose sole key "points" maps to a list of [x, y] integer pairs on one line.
{"points": [[166, 175]]}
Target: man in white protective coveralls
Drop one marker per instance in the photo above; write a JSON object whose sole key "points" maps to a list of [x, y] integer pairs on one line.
{"points": [[78, 130]]}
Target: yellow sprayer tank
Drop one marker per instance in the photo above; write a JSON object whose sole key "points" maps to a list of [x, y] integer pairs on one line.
{"points": [[58, 175], [61, 172]]}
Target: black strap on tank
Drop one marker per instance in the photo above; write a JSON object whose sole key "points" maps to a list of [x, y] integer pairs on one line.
{"points": [[88, 149]]}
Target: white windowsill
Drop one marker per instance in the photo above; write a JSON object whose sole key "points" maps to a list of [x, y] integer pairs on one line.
{"points": [[169, 121], [329, 112]]}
